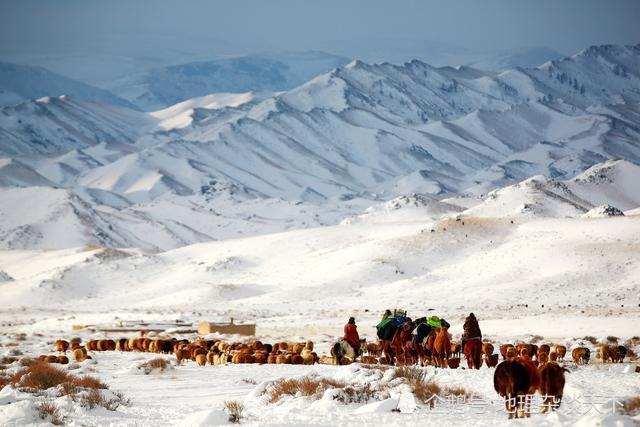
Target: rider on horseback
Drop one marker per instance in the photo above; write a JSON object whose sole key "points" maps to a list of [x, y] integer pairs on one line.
{"points": [[471, 329], [351, 335]]}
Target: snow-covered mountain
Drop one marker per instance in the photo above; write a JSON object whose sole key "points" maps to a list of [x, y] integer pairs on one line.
{"points": [[162, 87], [19, 83], [357, 133]]}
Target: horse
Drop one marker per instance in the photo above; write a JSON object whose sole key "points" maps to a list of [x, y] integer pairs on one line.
{"points": [[473, 353], [342, 350]]}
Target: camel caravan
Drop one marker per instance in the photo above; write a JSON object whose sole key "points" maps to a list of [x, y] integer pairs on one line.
{"points": [[526, 368]]}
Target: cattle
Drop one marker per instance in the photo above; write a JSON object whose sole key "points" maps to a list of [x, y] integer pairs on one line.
{"points": [[504, 348], [561, 351], [581, 355], [552, 382], [511, 381]]}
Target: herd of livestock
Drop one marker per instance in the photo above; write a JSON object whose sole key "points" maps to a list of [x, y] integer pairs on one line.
{"points": [[526, 368]]}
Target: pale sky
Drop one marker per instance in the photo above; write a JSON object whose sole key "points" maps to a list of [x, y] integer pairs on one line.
{"points": [[352, 28]]}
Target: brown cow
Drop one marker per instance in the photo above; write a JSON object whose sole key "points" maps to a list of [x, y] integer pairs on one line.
{"points": [[504, 348], [511, 381], [492, 360], [551, 386], [561, 351]]}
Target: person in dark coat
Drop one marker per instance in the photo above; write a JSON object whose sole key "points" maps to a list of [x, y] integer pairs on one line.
{"points": [[471, 329]]}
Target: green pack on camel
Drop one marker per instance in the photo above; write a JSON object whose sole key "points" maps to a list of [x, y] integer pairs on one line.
{"points": [[434, 322]]}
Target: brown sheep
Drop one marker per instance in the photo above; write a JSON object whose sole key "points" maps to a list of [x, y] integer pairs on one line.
{"points": [[296, 359], [51, 359], [456, 349], [553, 356], [201, 359], [581, 355], [80, 354], [551, 385], [368, 360], [511, 380], [62, 346], [511, 353], [261, 357], [63, 360], [561, 351], [182, 355], [374, 349]]}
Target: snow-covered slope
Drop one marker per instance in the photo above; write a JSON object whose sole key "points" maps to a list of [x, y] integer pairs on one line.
{"points": [[162, 87], [19, 83], [52, 125], [613, 183], [357, 132]]}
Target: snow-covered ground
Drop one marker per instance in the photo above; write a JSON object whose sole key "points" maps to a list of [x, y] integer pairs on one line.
{"points": [[558, 278]]}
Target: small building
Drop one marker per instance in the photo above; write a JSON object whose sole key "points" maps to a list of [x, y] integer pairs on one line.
{"points": [[205, 328]]}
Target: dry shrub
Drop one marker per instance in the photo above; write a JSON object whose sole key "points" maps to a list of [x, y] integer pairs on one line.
{"points": [[612, 339], [39, 376], [249, 381], [234, 409], [360, 393], [7, 360], [69, 389], [157, 364], [410, 373], [458, 391], [632, 406], [590, 339], [536, 339], [89, 382], [92, 399], [308, 387], [424, 390], [28, 361], [48, 410]]}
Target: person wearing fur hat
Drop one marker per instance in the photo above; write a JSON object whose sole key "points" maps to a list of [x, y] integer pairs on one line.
{"points": [[471, 329]]}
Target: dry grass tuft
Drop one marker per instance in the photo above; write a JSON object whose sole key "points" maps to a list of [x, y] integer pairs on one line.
{"points": [[234, 409], [590, 339], [410, 373], [458, 391], [425, 390], [536, 339], [39, 376], [48, 410], [308, 387], [92, 399], [612, 339], [632, 406], [157, 364], [89, 382]]}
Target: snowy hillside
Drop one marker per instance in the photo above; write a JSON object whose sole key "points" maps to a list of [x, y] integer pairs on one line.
{"points": [[162, 87], [613, 183], [353, 137], [20, 83]]}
